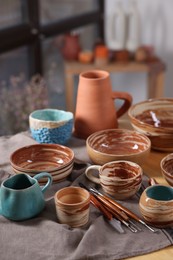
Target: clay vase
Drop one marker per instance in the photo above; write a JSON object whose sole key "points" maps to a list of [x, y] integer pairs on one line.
{"points": [[95, 106], [71, 47]]}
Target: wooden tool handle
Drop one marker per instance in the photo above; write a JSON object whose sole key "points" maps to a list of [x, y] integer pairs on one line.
{"points": [[122, 208], [113, 209], [99, 205], [114, 213]]}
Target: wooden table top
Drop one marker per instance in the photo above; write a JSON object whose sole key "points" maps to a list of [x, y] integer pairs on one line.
{"points": [[151, 168], [131, 66]]}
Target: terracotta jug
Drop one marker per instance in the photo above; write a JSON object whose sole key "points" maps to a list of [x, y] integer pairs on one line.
{"points": [[95, 106], [71, 47]]}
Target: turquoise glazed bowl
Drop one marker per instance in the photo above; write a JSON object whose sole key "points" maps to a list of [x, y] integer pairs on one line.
{"points": [[51, 126]]}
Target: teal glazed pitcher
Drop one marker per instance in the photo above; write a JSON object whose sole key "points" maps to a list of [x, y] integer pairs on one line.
{"points": [[21, 196]]}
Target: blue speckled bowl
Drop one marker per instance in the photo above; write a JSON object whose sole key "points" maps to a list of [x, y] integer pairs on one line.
{"points": [[51, 126]]}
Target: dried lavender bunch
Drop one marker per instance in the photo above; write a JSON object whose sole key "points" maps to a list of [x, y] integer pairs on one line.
{"points": [[18, 99]]}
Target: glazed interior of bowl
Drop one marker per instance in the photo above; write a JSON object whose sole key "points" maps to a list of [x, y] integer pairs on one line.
{"points": [[118, 142], [156, 113], [121, 171], [54, 115], [41, 157]]}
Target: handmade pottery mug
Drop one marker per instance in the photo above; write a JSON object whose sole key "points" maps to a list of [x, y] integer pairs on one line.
{"points": [[156, 205], [120, 179], [21, 196], [95, 106], [72, 206]]}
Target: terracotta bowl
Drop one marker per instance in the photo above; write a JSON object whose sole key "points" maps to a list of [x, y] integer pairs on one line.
{"points": [[55, 159], [51, 126], [154, 118], [117, 144], [166, 165], [156, 204], [86, 56]]}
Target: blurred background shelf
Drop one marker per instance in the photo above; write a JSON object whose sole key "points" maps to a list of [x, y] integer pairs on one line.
{"points": [[155, 76]]}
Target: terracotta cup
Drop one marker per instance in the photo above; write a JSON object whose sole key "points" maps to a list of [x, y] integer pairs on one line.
{"points": [[72, 206], [95, 104], [71, 47], [120, 179]]}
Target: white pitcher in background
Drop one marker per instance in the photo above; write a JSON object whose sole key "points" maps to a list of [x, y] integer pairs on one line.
{"points": [[123, 27], [116, 28], [133, 27]]}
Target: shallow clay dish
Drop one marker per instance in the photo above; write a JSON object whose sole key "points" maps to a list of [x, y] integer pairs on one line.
{"points": [[52, 158], [117, 144], [154, 118], [166, 165]]}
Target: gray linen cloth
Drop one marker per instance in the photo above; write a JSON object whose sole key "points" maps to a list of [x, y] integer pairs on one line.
{"points": [[43, 238]]}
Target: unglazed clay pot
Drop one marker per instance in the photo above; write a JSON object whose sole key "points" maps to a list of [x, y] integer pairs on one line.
{"points": [[71, 47], [95, 107], [156, 204]]}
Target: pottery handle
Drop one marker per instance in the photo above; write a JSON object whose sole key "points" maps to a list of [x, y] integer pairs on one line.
{"points": [[152, 182], [127, 102], [42, 175], [89, 172]]}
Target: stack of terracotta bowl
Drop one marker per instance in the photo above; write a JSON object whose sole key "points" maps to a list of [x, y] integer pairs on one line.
{"points": [[52, 158]]}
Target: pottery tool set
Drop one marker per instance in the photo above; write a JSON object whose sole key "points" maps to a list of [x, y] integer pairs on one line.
{"points": [[115, 212]]}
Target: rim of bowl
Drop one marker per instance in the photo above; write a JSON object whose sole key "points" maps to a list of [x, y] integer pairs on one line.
{"points": [[120, 130], [70, 114], [71, 158], [139, 173], [76, 189], [132, 117], [155, 187]]}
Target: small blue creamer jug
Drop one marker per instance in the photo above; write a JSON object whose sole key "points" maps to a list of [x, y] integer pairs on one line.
{"points": [[21, 196]]}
